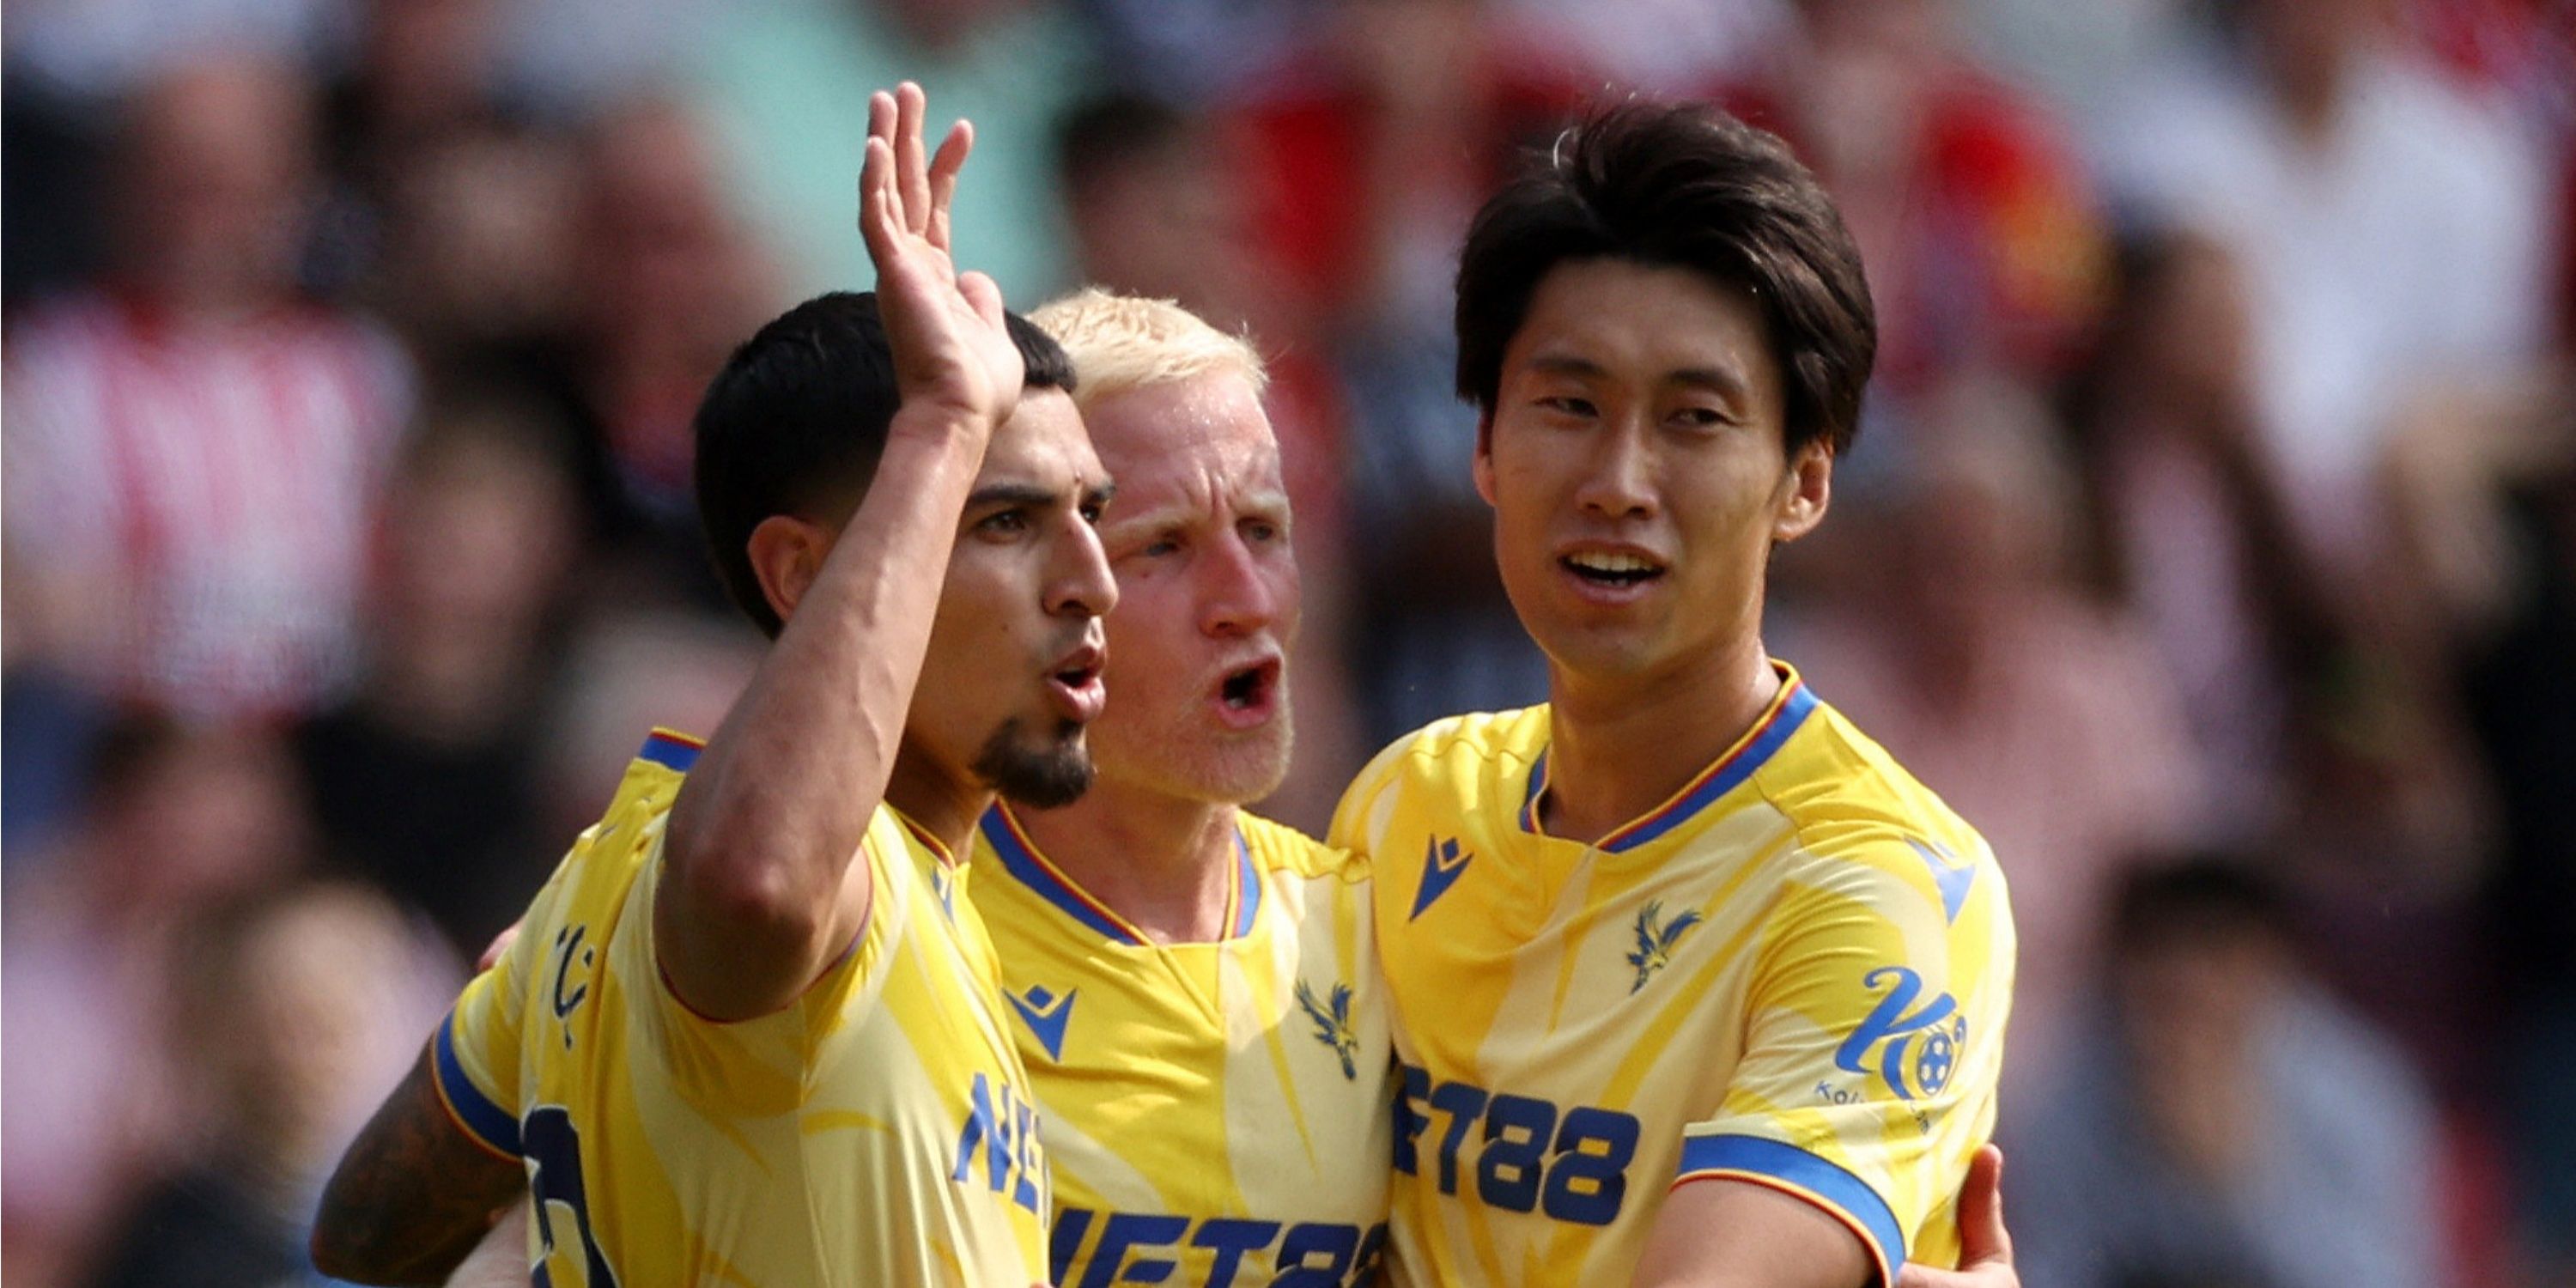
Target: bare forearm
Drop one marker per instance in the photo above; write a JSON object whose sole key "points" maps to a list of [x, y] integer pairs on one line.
{"points": [[413, 1194], [777, 805]]}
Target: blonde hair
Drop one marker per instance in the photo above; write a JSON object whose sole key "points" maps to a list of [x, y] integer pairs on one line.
{"points": [[1124, 342]]}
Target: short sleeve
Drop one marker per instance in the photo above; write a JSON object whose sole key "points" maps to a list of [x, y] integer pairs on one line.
{"points": [[475, 1055], [1873, 1037]]}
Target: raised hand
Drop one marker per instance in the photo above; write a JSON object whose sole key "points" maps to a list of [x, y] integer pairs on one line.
{"points": [[953, 359]]}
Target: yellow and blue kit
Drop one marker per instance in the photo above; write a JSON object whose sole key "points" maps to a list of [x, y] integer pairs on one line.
{"points": [[1216, 1113], [879, 1130], [1794, 972]]}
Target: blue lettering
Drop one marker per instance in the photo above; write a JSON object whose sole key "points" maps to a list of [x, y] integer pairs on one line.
{"points": [[1337, 1244], [1231, 1238], [1070, 1225], [1462, 1102], [1571, 1164], [1890, 1023], [1126, 1231], [1409, 1119], [1006, 1130], [1023, 1157]]}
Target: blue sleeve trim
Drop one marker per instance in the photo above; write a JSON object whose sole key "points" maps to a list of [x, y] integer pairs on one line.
{"points": [[1808, 1172], [489, 1122], [670, 750]]}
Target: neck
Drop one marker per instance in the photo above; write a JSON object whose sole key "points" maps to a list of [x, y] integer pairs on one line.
{"points": [[1619, 747], [1163, 862], [944, 802]]}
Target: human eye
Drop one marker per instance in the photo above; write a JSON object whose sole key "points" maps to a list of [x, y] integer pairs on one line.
{"points": [[1004, 523]]}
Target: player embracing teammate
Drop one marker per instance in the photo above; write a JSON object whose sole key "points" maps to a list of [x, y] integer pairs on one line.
{"points": [[1686, 981]]}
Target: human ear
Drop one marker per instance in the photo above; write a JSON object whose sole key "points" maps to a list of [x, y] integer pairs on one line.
{"points": [[787, 554], [1806, 490]]}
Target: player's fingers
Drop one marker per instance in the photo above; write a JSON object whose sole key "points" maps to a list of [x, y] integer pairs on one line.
{"points": [[880, 221], [912, 178], [500, 944], [1982, 1236], [944, 166], [881, 114], [984, 294]]}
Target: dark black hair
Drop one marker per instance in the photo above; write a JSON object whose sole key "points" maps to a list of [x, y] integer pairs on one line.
{"points": [[1688, 186], [2194, 899], [795, 422], [1109, 130]]}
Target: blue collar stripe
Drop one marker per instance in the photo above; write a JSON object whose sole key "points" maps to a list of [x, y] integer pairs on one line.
{"points": [[1021, 862]]}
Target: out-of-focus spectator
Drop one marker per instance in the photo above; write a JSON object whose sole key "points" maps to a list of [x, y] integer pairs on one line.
{"points": [[2326, 732], [479, 257], [2389, 229], [178, 819], [425, 782], [2234, 1126], [789, 82], [2487, 491], [1982, 664], [665, 281], [427, 74], [2190, 531], [193, 450], [1984, 246], [292, 1012]]}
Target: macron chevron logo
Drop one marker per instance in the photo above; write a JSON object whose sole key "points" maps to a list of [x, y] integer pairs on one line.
{"points": [[1952, 876], [1046, 1013], [1442, 862]]}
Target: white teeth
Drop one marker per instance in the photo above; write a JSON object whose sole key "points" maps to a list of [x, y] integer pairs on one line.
{"points": [[1591, 562]]}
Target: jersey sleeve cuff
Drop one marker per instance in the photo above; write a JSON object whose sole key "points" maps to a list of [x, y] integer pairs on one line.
{"points": [[1794, 1171], [483, 1118]]}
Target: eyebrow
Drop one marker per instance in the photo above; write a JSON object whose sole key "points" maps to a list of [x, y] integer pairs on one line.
{"points": [[1265, 501], [1719, 380], [1032, 494]]}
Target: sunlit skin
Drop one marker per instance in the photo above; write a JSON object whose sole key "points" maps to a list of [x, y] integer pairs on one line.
{"points": [[1026, 582], [1198, 721], [1639, 421]]}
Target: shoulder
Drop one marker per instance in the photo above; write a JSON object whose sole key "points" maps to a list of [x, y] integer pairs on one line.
{"points": [[1446, 767], [1279, 848], [1457, 751], [1870, 831]]}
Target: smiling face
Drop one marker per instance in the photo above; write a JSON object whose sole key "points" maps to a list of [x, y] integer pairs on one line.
{"points": [[1013, 677], [1208, 593], [1634, 461]]}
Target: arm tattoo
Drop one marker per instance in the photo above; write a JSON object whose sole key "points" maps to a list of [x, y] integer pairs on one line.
{"points": [[413, 1194]]}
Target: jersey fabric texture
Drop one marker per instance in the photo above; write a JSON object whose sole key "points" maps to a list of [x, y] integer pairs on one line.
{"points": [[876, 1131], [1795, 972], [1216, 1113]]}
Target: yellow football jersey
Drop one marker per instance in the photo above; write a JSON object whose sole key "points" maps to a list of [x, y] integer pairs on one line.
{"points": [[876, 1131], [1215, 1113], [1794, 972]]}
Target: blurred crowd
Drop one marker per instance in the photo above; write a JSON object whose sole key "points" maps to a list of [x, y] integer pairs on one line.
{"points": [[2210, 542]]}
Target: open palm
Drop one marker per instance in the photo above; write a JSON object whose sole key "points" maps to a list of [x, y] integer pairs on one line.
{"points": [[953, 356]]}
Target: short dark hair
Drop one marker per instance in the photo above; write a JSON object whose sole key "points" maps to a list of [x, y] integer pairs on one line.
{"points": [[795, 422], [1688, 186]]}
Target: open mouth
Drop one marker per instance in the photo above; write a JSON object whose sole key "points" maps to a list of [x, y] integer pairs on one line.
{"points": [[1617, 570], [1246, 695], [1075, 684]]}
